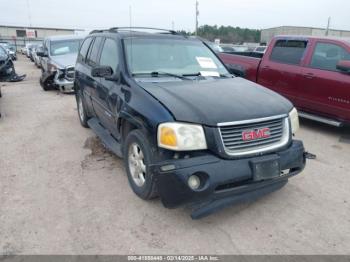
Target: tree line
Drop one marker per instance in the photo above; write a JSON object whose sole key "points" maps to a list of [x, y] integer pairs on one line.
{"points": [[229, 34]]}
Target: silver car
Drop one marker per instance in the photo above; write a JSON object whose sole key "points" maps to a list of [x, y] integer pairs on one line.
{"points": [[59, 55], [37, 59]]}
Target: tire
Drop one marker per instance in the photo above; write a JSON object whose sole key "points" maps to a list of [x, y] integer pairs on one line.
{"points": [[47, 85], [44, 85], [82, 113], [137, 165]]}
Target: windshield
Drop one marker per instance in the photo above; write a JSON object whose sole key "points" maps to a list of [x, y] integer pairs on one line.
{"points": [[180, 57], [64, 47]]}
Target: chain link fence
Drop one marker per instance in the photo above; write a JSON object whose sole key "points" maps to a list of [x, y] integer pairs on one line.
{"points": [[20, 42]]}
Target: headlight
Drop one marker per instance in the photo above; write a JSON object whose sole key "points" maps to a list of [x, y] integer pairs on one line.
{"points": [[294, 120], [181, 137]]}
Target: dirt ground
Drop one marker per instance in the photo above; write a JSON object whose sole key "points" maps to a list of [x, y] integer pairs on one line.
{"points": [[61, 192]]}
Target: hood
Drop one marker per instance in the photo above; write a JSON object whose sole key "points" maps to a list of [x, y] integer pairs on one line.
{"points": [[65, 60], [210, 102]]}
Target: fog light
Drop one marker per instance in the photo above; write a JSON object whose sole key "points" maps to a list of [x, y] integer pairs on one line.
{"points": [[194, 182]]}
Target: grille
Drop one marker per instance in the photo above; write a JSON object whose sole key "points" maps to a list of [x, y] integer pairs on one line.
{"points": [[70, 73], [277, 135]]}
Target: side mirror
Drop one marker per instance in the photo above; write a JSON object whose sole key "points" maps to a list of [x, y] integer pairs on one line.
{"points": [[102, 71], [344, 66], [41, 53]]}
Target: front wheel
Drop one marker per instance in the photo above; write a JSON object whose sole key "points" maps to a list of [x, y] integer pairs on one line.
{"points": [[83, 117], [47, 84], [138, 157]]}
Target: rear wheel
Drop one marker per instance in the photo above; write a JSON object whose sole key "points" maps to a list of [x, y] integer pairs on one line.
{"points": [[138, 157]]}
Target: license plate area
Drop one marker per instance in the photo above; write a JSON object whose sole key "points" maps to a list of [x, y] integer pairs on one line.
{"points": [[266, 168]]}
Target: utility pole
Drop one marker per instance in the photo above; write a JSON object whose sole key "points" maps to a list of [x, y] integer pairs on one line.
{"points": [[328, 25], [130, 16], [29, 15], [173, 25], [197, 14]]}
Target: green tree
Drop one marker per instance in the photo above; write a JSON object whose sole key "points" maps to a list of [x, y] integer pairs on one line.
{"points": [[229, 34]]}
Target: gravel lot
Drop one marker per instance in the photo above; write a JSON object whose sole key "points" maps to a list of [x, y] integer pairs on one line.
{"points": [[61, 192]]}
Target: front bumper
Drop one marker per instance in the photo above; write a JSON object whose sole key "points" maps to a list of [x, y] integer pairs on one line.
{"points": [[64, 84], [226, 182]]}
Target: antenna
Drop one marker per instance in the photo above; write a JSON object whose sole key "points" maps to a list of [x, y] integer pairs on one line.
{"points": [[131, 48]]}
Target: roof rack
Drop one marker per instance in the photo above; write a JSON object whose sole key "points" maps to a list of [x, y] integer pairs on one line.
{"points": [[95, 31], [128, 28], [132, 29]]}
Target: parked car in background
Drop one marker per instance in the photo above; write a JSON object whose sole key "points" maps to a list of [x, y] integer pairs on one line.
{"points": [[11, 50], [240, 48], [24, 49], [37, 59], [217, 48], [188, 131], [58, 58], [27, 49], [313, 72], [31, 50], [260, 49], [227, 48]]}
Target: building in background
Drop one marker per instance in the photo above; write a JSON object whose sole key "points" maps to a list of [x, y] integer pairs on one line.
{"points": [[268, 34], [19, 36]]}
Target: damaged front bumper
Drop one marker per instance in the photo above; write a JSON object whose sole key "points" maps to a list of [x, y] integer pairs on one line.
{"points": [[225, 182], [64, 79]]}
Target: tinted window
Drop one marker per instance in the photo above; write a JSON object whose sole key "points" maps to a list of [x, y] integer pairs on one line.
{"points": [[326, 56], [92, 59], [109, 55], [84, 49], [288, 51]]}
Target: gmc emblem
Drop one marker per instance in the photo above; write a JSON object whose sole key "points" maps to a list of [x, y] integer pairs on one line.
{"points": [[256, 134]]}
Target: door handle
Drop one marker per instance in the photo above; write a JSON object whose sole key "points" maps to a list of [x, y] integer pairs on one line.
{"points": [[309, 75], [266, 67]]}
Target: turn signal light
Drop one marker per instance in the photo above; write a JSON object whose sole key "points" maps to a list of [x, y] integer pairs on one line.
{"points": [[168, 136]]}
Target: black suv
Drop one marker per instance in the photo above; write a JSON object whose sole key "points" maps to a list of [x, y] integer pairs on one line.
{"points": [[188, 130]]}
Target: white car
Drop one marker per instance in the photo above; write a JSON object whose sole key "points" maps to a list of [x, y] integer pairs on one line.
{"points": [[260, 49]]}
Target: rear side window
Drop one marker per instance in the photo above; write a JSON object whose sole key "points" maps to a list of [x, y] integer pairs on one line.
{"points": [[288, 51], [92, 58], [84, 49], [326, 56], [109, 55]]}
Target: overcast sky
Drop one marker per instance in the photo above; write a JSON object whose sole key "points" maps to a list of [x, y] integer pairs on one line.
{"points": [[86, 14]]}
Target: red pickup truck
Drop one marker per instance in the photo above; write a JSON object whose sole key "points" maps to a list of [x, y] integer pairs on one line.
{"points": [[312, 72]]}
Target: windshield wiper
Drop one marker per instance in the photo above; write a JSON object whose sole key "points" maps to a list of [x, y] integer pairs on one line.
{"points": [[160, 73], [199, 74]]}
